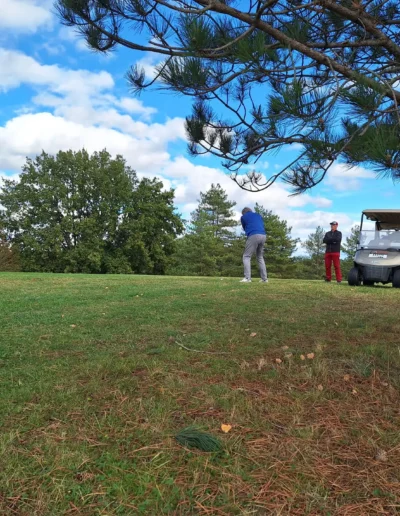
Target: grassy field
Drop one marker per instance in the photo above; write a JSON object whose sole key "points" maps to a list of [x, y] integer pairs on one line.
{"points": [[95, 382]]}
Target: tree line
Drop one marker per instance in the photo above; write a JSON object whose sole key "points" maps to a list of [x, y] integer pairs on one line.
{"points": [[82, 213]]}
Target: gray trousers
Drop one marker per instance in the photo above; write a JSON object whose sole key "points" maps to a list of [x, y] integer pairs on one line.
{"points": [[254, 244]]}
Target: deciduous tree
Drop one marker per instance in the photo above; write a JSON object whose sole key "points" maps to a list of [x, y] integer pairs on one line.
{"points": [[79, 213], [9, 260]]}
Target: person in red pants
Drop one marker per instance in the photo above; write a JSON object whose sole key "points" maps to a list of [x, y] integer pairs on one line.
{"points": [[332, 239]]}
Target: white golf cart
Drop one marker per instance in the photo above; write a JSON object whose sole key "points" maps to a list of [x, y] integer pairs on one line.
{"points": [[377, 259]]}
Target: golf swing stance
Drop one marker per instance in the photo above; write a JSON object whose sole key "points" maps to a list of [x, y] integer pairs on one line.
{"points": [[253, 226]]}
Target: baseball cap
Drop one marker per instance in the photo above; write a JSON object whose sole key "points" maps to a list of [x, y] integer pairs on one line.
{"points": [[334, 223]]}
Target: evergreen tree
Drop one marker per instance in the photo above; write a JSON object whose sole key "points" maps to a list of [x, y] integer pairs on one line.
{"points": [[79, 213], [350, 244], [197, 255], [215, 211], [330, 69], [232, 259], [315, 249], [205, 249], [280, 246], [350, 247], [303, 268]]}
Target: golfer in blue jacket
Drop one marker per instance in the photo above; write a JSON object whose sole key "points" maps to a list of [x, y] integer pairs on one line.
{"points": [[253, 226]]}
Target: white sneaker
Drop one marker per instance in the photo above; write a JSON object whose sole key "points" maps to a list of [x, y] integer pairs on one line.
{"points": [[245, 280], [263, 281]]}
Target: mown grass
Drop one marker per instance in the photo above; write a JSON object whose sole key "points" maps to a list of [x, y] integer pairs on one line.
{"points": [[95, 383]]}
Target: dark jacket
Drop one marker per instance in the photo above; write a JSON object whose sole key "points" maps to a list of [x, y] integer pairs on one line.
{"points": [[332, 240]]}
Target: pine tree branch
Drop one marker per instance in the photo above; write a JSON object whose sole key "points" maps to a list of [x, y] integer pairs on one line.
{"points": [[319, 57], [367, 22], [296, 45], [346, 44]]}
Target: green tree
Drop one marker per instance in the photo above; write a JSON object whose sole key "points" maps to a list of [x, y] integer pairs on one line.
{"points": [[79, 213], [197, 255], [329, 68], [9, 260], [215, 211], [349, 247], [303, 268], [315, 249], [350, 244], [206, 247], [151, 226], [280, 245]]}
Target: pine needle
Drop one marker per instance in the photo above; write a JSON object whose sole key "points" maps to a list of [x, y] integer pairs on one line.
{"points": [[194, 438]]}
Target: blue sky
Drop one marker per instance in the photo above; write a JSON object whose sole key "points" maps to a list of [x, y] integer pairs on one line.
{"points": [[55, 94]]}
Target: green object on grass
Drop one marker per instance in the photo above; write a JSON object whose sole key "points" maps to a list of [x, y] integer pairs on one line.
{"points": [[194, 438], [154, 351]]}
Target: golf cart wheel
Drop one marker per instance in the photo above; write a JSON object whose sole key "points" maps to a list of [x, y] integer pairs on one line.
{"points": [[396, 279], [368, 283], [353, 278]]}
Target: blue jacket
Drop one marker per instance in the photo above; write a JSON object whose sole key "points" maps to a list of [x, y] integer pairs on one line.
{"points": [[253, 224]]}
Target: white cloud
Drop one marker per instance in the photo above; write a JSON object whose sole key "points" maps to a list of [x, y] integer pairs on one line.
{"points": [[95, 110], [84, 112], [343, 178], [28, 135], [305, 223], [149, 63], [70, 35], [75, 94], [133, 106], [24, 15], [53, 48], [17, 68], [193, 178], [188, 208]]}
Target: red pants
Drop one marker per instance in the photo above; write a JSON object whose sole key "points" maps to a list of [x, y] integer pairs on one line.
{"points": [[335, 258]]}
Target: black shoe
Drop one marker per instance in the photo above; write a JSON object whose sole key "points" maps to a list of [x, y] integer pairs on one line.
{"points": [[327, 280]]}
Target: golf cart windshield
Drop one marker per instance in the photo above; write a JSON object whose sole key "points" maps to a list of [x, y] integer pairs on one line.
{"points": [[386, 232], [384, 219], [382, 240]]}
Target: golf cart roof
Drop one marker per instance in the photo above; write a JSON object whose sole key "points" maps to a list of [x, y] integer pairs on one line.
{"points": [[385, 219]]}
